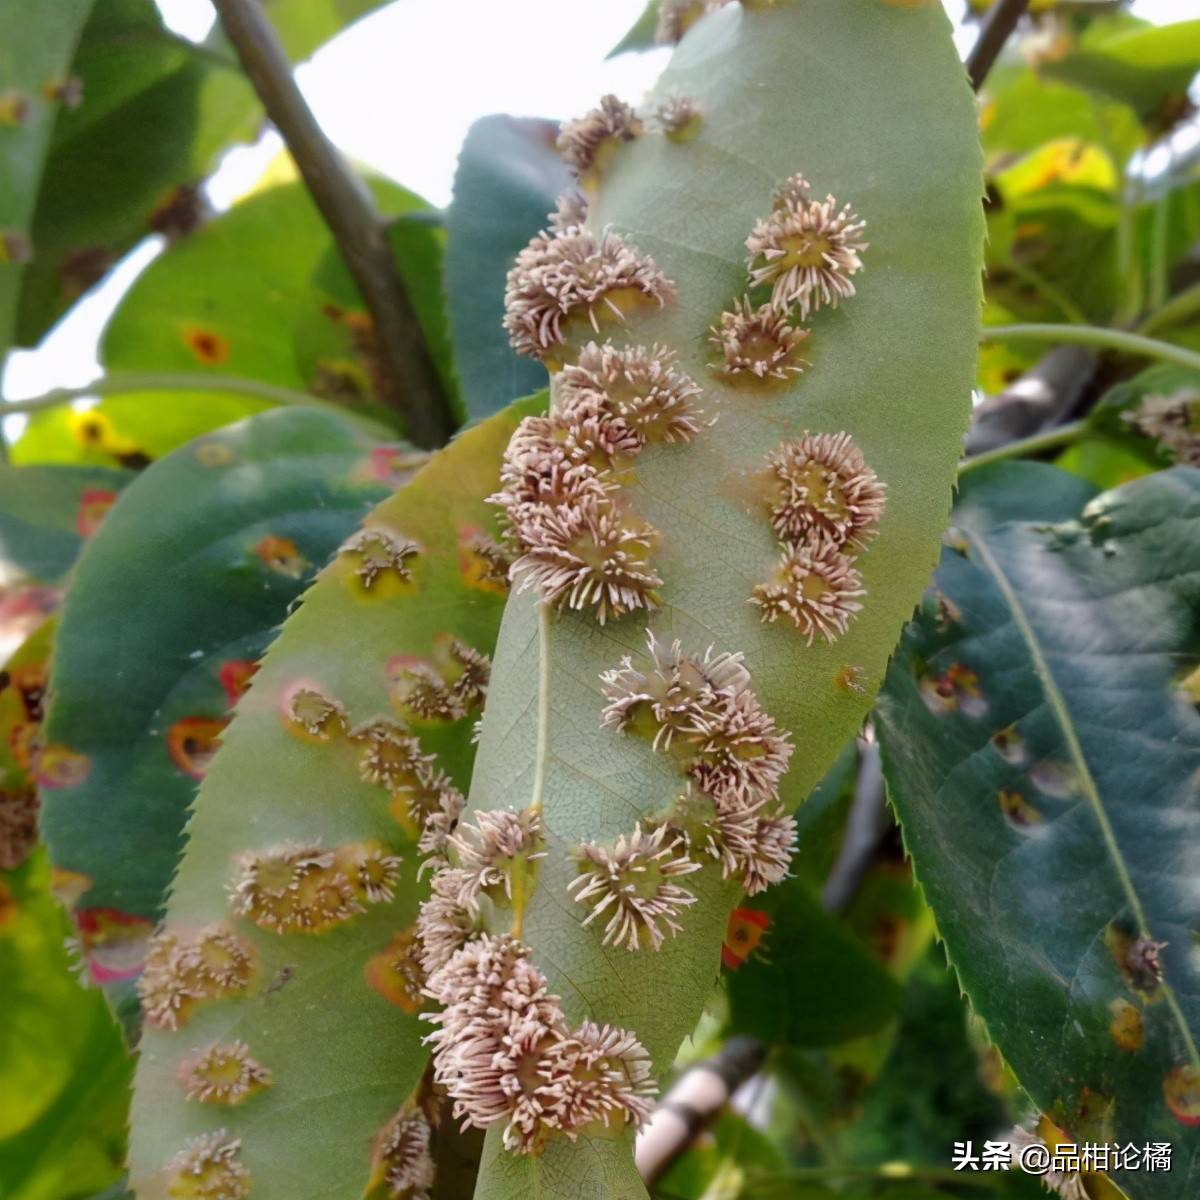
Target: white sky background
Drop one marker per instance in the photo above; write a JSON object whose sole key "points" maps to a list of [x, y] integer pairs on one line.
{"points": [[398, 92]]}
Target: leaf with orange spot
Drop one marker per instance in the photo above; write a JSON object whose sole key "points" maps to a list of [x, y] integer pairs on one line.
{"points": [[197, 610], [1050, 830], [747, 928], [46, 513], [280, 554], [209, 347], [192, 742]]}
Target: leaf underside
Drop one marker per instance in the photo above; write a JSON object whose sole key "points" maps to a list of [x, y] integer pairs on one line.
{"points": [[793, 88]]}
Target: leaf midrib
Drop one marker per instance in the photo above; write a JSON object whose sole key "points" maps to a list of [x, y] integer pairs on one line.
{"points": [[1062, 715]]}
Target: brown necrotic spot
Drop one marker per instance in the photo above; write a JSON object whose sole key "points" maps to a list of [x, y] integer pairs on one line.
{"points": [[192, 742], [374, 553], [1017, 810], [311, 712], [208, 346], [223, 1073], [209, 1167], [18, 826]]}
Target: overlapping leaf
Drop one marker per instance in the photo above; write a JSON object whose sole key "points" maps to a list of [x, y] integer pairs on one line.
{"points": [[509, 177], [1041, 742], [337, 1029], [169, 611], [154, 113]]}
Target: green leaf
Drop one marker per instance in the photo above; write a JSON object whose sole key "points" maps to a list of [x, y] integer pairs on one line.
{"points": [[262, 293], [1146, 66], [39, 44], [509, 177], [198, 564], [156, 113], [337, 1029], [641, 33], [892, 366], [1041, 746], [46, 513], [64, 1073], [1022, 110]]}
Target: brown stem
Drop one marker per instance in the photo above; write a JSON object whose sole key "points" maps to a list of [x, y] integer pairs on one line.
{"points": [[410, 382], [999, 25]]}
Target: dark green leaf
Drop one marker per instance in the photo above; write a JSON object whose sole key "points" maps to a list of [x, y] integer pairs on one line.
{"points": [[46, 513], [39, 43], [509, 177], [1041, 749]]}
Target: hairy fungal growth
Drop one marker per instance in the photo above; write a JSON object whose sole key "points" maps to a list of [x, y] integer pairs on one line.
{"points": [[403, 1161], [570, 272], [815, 586], [223, 1073], [181, 971], [375, 552], [209, 1167], [312, 713], [305, 889], [581, 546], [679, 118], [704, 713], [493, 855], [820, 485], [632, 886], [758, 343], [806, 251], [824, 504], [506, 1055], [586, 144]]}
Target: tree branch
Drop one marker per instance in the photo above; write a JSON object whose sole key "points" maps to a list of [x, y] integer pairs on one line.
{"points": [[410, 380], [999, 25]]}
